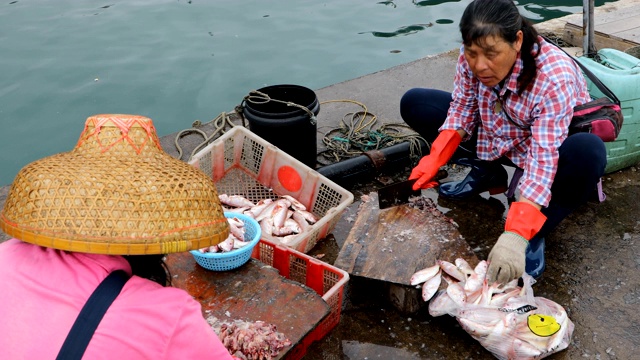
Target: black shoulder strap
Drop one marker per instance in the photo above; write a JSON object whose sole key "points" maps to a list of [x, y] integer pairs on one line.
{"points": [[91, 314], [601, 86]]}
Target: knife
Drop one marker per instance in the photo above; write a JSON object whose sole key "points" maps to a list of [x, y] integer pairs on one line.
{"points": [[400, 192]]}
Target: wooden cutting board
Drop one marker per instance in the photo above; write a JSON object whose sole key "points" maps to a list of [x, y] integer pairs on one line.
{"points": [[392, 244], [252, 292]]}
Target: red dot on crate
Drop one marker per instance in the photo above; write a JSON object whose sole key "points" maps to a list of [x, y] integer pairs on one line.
{"points": [[289, 178]]}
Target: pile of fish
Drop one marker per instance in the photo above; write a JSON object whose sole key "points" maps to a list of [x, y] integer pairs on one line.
{"points": [[282, 218], [235, 240], [508, 320], [249, 340]]}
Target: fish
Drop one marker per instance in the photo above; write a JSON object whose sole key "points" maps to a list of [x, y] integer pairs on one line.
{"points": [[311, 219], [279, 212], [425, 274], [282, 219], [256, 210], [464, 266], [506, 319], [476, 328], [266, 226], [236, 227], [294, 202], [442, 304], [227, 244], [235, 200], [300, 219], [266, 212], [452, 270], [430, 286], [457, 294]]}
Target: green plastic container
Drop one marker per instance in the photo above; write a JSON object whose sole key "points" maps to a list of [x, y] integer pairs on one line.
{"points": [[620, 72]]}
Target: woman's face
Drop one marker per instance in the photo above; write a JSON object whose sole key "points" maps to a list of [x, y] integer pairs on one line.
{"points": [[491, 58]]}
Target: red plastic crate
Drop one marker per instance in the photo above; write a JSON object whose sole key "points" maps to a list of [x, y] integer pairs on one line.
{"points": [[326, 280]]}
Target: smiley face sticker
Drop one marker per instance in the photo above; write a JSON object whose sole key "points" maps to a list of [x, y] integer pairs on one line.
{"points": [[543, 325]]}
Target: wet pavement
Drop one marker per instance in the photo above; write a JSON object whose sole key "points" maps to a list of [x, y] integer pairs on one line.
{"points": [[593, 259]]}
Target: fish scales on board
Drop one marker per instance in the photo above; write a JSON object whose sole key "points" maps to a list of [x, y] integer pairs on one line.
{"points": [[391, 244]]}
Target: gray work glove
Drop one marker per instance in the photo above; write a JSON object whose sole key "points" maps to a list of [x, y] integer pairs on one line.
{"points": [[507, 258]]}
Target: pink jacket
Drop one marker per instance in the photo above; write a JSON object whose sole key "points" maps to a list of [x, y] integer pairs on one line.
{"points": [[42, 291]]}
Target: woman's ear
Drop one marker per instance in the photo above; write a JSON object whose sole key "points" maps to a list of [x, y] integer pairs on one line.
{"points": [[517, 45]]}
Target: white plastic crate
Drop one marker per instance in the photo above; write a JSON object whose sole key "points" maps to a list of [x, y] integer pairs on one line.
{"points": [[242, 163]]}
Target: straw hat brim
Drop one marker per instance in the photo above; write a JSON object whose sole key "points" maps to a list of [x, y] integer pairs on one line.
{"points": [[114, 195]]}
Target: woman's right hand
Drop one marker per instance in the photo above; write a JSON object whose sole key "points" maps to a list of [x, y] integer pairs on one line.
{"points": [[441, 151]]}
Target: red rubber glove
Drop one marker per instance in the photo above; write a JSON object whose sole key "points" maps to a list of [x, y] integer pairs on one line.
{"points": [[507, 258], [441, 151], [524, 219]]}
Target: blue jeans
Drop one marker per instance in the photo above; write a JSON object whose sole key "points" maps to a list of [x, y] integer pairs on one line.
{"points": [[582, 161]]}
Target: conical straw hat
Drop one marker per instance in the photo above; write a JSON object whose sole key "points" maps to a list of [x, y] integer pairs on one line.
{"points": [[116, 192]]}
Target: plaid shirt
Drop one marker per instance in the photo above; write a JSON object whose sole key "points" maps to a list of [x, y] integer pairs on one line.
{"points": [[526, 128]]}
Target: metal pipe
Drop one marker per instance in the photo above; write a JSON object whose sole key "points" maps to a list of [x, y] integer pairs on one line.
{"points": [[588, 48]]}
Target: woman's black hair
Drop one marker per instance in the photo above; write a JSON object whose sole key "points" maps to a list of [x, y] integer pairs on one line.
{"points": [[501, 18], [150, 267]]}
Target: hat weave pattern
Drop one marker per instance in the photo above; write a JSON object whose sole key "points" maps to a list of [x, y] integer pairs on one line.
{"points": [[116, 192]]}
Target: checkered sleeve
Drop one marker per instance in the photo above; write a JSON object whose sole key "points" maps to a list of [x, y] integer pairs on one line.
{"points": [[464, 105]]}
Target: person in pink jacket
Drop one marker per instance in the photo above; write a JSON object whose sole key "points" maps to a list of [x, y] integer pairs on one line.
{"points": [[115, 202]]}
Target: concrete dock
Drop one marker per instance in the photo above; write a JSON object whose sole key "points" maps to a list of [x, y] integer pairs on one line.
{"points": [[593, 256]]}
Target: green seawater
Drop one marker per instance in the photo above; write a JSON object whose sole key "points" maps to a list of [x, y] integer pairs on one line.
{"points": [[180, 61]]}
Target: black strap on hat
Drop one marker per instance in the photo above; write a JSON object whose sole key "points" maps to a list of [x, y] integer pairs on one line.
{"points": [[90, 316]]}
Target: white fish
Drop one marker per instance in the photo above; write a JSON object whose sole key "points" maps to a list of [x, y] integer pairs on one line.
{"points": [[474, 297], [487, 293], [235, 200], [266, 212], [442, 304], [239, 210], [266, 226], [457, 294], [474, 283], [500, 299], [294, 202], [302, 222], [524, 350], [481, 269], [292, 225], [237, 244], [481, 315], [227, 244], [236, 227], [497, 315], [279, 213], [452, 270], [311, 219], [430, 287], [425, 274], [287, 239], [464, 266], [260, 206], [476, 328]]}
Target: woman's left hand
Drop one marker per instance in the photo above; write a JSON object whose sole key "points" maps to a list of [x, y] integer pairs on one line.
{"points": [[507, 258]]}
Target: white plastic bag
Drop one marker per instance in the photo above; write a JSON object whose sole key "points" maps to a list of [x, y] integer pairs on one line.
{"points": [[508, 320]]}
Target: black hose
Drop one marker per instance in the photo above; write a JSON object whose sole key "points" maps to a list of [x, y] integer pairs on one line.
{"points": [[366, 167]]}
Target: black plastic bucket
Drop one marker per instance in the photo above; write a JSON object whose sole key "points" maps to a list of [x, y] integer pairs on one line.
{"points": [[291, 128]]}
